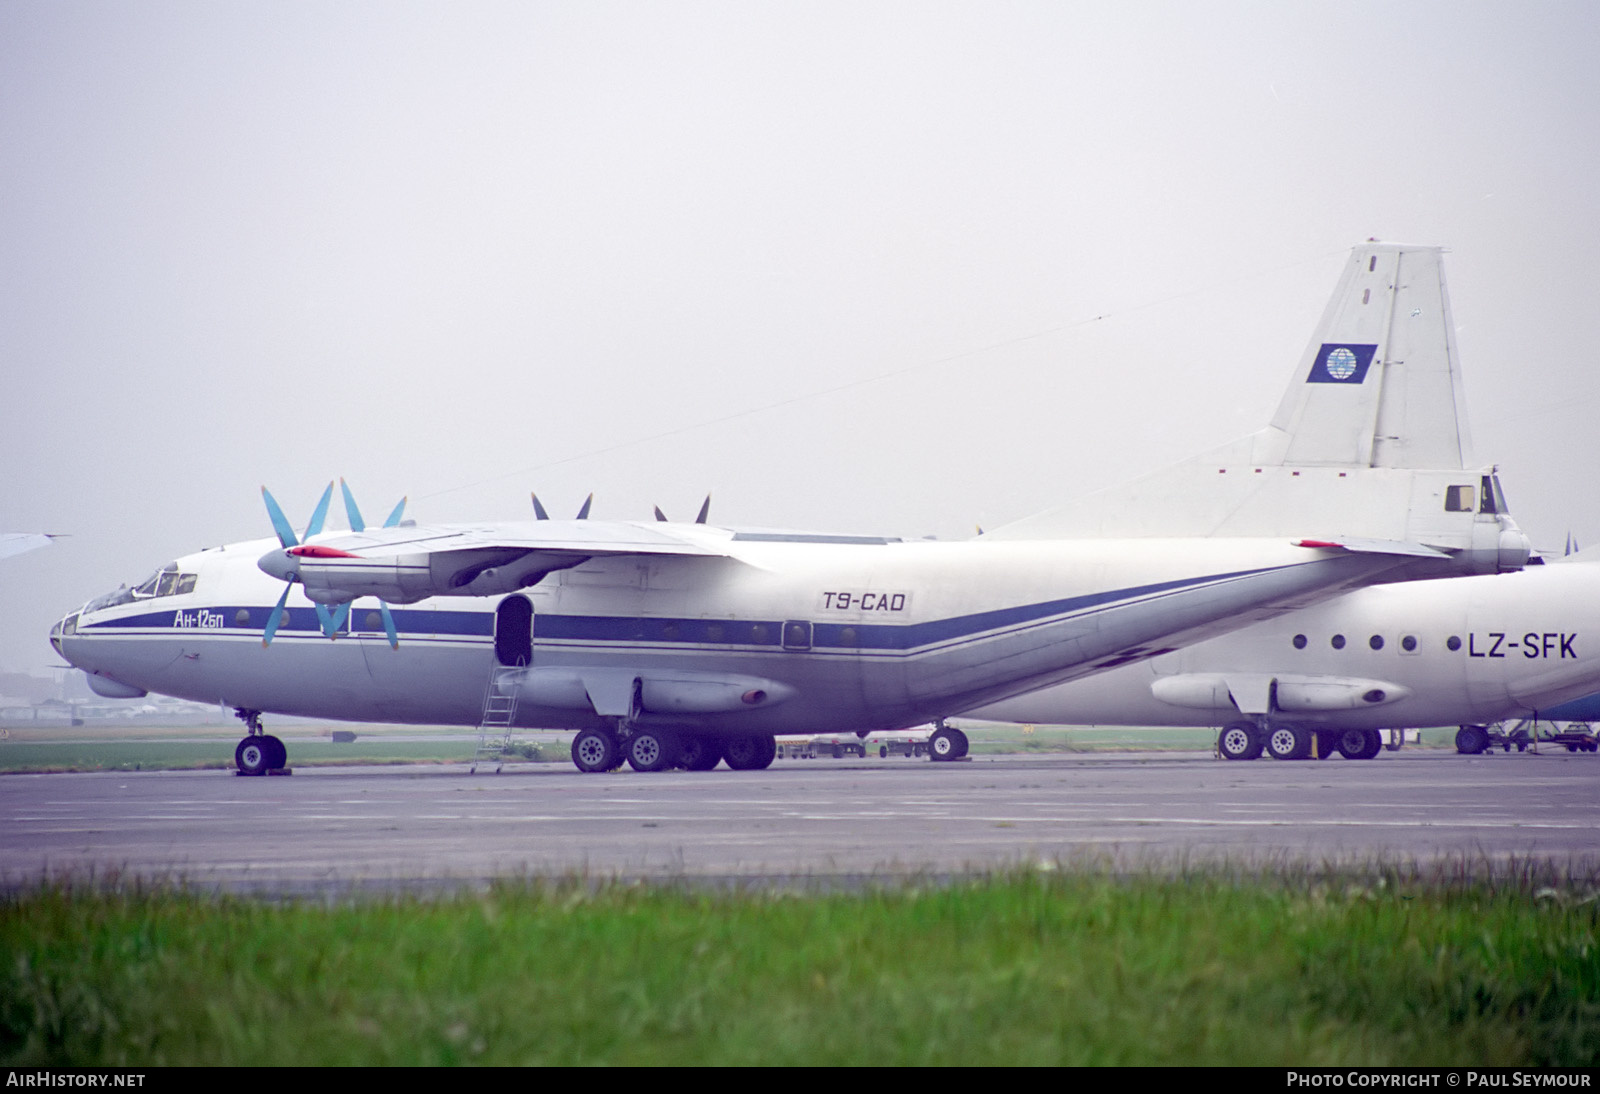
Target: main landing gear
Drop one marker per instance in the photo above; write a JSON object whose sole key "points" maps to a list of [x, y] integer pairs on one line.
{"points": [[259, 753], [607, 749], [1246, 741]]}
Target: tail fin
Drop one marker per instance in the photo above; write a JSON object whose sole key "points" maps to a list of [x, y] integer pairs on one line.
{"points": [[1380, 383], [1370, 441]]}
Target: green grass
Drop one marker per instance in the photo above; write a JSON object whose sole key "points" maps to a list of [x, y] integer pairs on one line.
{"points": [[165, 749], [1050, 968]]}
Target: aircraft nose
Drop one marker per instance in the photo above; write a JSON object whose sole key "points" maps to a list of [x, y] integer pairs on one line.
{"points": [[63, 628]]}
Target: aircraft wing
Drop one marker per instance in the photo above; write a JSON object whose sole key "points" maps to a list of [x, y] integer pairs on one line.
{"points": [[15, 543], [406, 564]]}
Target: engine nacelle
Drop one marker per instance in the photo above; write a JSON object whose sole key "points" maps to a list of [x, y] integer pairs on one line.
{"points": [[1256, 693], [661, 691]]}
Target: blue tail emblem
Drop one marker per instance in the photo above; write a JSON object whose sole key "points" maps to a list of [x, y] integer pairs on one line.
{"points": [[1341, 363]]}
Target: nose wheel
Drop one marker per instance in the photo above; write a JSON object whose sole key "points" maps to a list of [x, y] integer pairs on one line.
{"points": [[260, 753]]}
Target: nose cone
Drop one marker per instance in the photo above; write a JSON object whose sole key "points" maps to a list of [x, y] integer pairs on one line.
{"points": [[63, 628], [280, 564]]}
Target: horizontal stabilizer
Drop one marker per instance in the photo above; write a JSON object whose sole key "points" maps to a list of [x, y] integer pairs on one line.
{"points": [[1377, 547]]}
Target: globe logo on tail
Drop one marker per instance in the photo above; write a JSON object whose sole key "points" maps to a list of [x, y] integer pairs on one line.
{"points": [[1345, 363], [1341, 364]]}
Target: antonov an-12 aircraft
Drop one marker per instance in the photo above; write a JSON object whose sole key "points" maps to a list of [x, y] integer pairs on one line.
{"points": [[669, 644], [1457, 652]]}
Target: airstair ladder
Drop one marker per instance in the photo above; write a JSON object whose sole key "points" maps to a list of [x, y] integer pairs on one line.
{"points": [[499, 713]]}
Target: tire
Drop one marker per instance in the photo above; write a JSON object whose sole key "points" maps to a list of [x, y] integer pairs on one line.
{"points": [[1359, 744], [947, 744], [653, 750], [1239, 742], [750, 753], [1288, 743], [699, 753], [277, 753], [252, 756], [595, 750]]}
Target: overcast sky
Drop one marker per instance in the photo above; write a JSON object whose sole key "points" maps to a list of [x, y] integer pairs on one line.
{"points": [[875, 267]]}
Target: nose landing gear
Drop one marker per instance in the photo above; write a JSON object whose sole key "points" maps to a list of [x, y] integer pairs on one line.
{"points": [[259, 753]]}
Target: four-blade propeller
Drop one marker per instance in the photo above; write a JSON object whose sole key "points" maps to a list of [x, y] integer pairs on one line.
{"points": [[331, 620]]}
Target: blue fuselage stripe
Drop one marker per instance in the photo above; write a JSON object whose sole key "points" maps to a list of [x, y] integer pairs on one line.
{"points": [[552, 626]]}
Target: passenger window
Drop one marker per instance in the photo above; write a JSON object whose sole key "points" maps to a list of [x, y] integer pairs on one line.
{"points": [[1458, 499]]}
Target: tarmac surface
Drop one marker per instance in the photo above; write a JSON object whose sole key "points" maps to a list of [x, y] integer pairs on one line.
{"points": [[383, 828]]}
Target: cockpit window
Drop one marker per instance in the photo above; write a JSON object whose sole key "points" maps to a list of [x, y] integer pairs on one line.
{"points": [[1458, 499], [167, 581]]}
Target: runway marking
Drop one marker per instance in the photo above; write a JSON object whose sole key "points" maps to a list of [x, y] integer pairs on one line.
{"points": [[1291, 823]]}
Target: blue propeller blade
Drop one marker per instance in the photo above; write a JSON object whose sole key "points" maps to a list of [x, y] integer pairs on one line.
{"points": [[388, 626], [275, 618], [331, 620], [280, 523], [350, 510], [357, 523], [321, 513]]}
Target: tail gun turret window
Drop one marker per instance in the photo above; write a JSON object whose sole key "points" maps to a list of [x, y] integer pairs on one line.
{"points": [[1494, 499]]}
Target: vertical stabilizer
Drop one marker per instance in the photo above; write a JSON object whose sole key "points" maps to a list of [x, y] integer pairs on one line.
{"points": [[1380, 383], [1370, 441]]}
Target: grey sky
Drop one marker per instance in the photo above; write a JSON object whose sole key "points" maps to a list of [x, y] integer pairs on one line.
{"points": [[461, 251]]}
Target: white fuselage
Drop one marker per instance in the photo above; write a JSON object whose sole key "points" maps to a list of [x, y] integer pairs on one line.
{"points": [[766, 637], [1429, 653]]}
